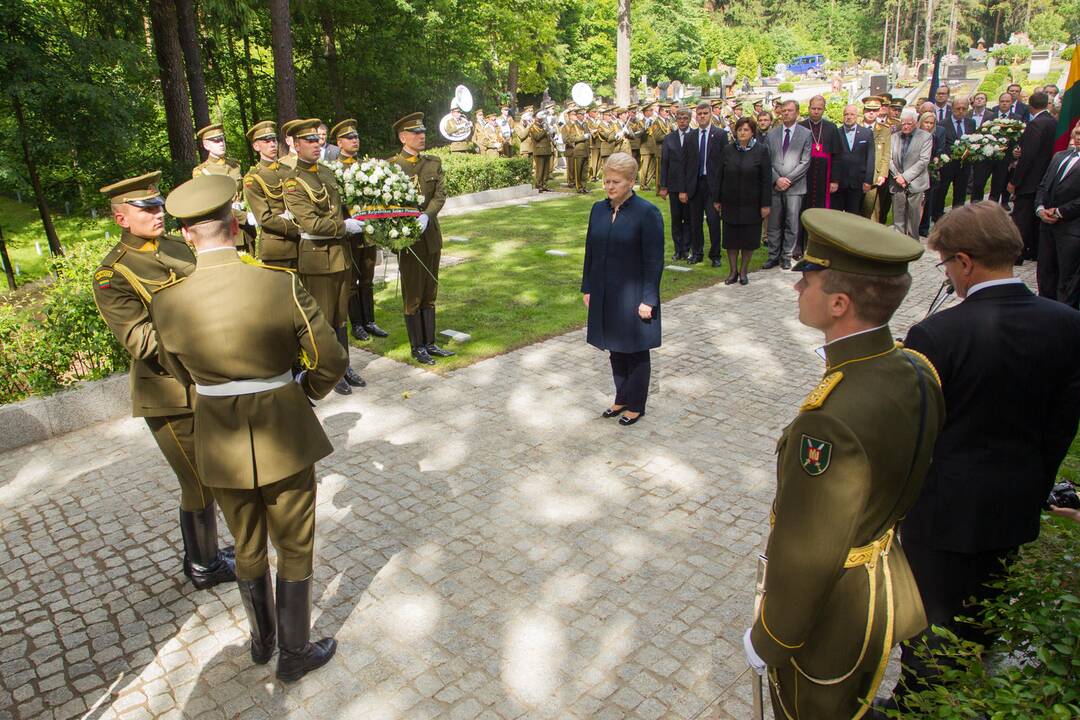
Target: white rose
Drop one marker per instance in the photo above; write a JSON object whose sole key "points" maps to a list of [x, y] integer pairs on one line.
{"points": [[369, 228], [988, 151], [394, 234], [405, 231]]}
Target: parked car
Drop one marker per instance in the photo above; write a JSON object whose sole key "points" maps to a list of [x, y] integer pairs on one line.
{"points": [[805, 63]]}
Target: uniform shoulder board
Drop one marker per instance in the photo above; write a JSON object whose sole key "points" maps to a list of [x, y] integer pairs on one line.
{"points": [[432, 158], [818, 395], [232, 161], [925, 360]]}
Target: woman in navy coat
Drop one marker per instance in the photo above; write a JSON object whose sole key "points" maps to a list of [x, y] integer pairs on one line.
{"points": [[624, 260]]}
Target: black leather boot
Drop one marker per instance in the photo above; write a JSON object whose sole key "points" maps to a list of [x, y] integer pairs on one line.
{"points": [[368, 296], [258, 597], [414, 325], [298, 656], [351, 379], [204, 564], [428, 314]]}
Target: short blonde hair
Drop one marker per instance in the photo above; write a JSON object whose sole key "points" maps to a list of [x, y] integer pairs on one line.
{"points": [[927, 116], [623, 164]]}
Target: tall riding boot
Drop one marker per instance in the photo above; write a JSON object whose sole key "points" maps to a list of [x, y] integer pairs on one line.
{"points": [[414, 325], [204, 564], [258, 597], [428, 314], [351, 378], [368, 294], [298, 657], [357, 314]]}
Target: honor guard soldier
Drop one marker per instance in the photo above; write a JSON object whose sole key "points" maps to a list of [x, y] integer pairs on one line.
{"points": [[838, 591], [521, 130], [288, 160], [876, 203], [419, 265], [234, 328], [648, 147], [364, 252], [264, 192], [325, 260], [216, 163], [540, 145], [144, 260]]}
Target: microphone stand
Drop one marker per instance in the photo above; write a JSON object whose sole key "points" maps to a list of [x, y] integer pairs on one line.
{"points": [[941, 297]]}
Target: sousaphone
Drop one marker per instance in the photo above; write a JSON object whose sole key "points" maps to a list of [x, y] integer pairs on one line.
{"points": [[463, 100]]}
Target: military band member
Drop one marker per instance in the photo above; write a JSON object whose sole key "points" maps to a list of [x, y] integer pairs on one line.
{"points": [[325, 259], [233, 329], [363, 249], [665, 123], [142, 261], [621, 141], [540, 145], [505, 124], [634, 128], [486, 136], [838, 591], [606, 133], [568, 131], [521, 130], [648, 140], [264, 192], [577, 138], [419, 265], [212, 138], [593, 121], [458, 123]]}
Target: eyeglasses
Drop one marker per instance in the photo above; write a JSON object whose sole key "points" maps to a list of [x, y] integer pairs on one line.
{"points": [[941, 265]]}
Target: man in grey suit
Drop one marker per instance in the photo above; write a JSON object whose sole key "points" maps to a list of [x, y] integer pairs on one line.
{"points": [[789, 149], [909, 173]]}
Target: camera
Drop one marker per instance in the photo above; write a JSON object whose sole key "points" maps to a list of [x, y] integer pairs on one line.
{"points": [[1063, 495]]}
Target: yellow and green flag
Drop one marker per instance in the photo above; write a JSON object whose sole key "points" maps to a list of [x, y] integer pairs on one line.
{"points": [[1070, 102]]}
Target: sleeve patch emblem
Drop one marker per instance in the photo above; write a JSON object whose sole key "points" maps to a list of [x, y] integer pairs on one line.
{"points": [[814, 455], [103, 278]]}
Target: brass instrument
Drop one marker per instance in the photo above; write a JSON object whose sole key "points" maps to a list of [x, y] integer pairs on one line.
{"points": [[454, 130]]}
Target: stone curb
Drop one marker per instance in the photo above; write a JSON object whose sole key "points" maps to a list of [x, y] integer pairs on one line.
{"points": [[40, 418]]}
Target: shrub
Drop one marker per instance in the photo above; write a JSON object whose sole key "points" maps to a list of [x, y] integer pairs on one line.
{"points": [[469, 172], [994, 82], [785, 87], [1036, 662], [1012, 54], [1067, 53]]}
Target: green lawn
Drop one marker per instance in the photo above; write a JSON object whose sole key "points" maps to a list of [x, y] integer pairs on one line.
{"points": [[509, 293], [22, 227]]}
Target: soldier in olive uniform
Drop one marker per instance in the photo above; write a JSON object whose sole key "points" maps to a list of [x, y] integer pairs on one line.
{"points": [[540, 145], [458, 123], [877, 201], [634, 128], [288, 160], [663, 125], [521, 130], [648, 147], [419, 265], [488, 139], [233, 329], [606, 134], [144, 260], [216, 163], [838, 592], [364, 251], [325, 260], [576, 138], [264, 192], [592, 123]]}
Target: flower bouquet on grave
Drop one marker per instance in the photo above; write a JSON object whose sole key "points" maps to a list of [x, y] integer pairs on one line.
{"points": [[1005, 129], [380, 194]]}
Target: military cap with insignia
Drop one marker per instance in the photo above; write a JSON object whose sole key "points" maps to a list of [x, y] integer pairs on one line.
{"points": [[213, 131], [288, 125], [837, 240], [413, 122], [201, 198], [898, 103], [345, 128], [871, 102], [141, 191], [307, 129], [885, 98], [262, 130]]}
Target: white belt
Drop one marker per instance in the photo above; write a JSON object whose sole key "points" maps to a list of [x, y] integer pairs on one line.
{"points": [[307, 236], [245, 387]]}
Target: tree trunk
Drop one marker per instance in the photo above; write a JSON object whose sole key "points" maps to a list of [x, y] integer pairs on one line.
{"points": [[928, 48], [622, 55], [333, 74], [171, 69], [284, 72], [885, 41], [238, 90], [896, 31], [189, 43], [35, 180], [512, 84], [253, 97]]}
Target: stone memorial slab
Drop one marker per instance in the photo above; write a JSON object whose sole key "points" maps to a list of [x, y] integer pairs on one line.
{"points": [[678, 268], [456, 335], [556, 253]]}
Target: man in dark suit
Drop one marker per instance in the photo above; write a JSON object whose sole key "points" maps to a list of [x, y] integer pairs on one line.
{"points": [[674, 184], [1036, 148], [954, 174], [1007, 363], [704, 145], [942, 106], [853, 171], [1017, 107], [997, 171], [1057, 205], [980, 171]]}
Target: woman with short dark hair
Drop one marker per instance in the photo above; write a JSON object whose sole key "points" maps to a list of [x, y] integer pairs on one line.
{"points": [[745, 196]]}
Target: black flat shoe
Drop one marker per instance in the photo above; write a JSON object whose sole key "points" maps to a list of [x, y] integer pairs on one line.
{"points": [[359, 332], [353, 378], [770, 264], [342, 387], [609, 413], [743, 280], [630, 420], [716, 263], [732, 279], [375, 330]]}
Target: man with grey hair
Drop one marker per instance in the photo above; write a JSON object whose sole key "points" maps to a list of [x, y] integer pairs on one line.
{"points": [[909, 176], [789, 148]]}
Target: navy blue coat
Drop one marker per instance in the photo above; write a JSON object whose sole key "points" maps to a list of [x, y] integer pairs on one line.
{"points": [[624, 261]]}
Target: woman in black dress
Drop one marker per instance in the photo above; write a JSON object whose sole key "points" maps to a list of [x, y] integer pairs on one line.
{"points": [[745, 196], [624, 260]]}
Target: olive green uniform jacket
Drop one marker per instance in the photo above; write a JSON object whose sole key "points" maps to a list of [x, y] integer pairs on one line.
{"points": [[264, 191], [230, 167], [124, 284], [233, 320], [427, 173], [849, 467], [311, 195], [521, 130]]}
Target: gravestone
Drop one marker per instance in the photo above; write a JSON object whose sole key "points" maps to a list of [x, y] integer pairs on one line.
{"points": [[956, 73], [1040, 65]]}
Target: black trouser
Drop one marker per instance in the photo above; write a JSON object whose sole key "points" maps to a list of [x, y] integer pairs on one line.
{"points": [[680, 225], [927, 209], [980, 173], [884, 203], [701, 205], [946, 581], [999, 180], [1058, 272], [1023, 214], [847, 200], [631, 372], [955, 175], [362, 285]]}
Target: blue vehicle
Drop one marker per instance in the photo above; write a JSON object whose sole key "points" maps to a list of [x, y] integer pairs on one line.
{"points": [[805, 63]]}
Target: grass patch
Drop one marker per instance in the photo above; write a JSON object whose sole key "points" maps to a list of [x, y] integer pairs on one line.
{"points": [[509, 293], [22, 229]]}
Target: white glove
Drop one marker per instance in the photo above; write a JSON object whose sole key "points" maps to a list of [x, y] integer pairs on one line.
{"points": [[752, 658], [287, 215], [353, 226], [423, 220], [251, 219], [238, 206]]}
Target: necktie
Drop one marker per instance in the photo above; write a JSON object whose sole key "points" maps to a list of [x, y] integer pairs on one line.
{"points": [[681, 136], [787, 139], [941, 115], [959, 128], [701, 152], [1067, 164]]}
